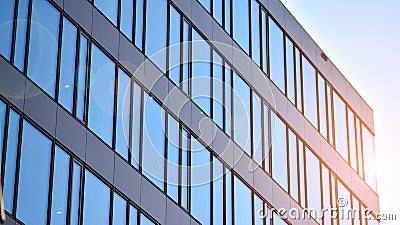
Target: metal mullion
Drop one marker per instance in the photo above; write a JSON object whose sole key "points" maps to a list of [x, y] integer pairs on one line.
{"points": [[189, 173], [263, 150], [180, 167], [298, 170], [144, 26], [76, 70], [141, 129], [134, 22], [28, 31], [305, 175], [5, 137], [131, 102], [166, 134], [70, 186], [87, 84], [14, 32], [17, 166], [59, 47], [111, 209], [211, 187], [115, 105], [288, 158]]}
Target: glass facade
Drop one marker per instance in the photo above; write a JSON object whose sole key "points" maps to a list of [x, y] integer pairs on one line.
{"points": [[77, 73]]}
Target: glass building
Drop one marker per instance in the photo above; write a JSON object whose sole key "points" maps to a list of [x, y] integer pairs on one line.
{"points": [[125, 112]]}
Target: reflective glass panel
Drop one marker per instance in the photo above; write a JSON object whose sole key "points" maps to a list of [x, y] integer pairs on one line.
{"points": [[218, 192], [340, 126], [294, 190], [185, 170], [264, 41], [119, 210], [227, 19], [228, 197], [101, 95], [82, 77], [279, 154], [302, 180], [228, 100], [2, 126], [258, 206], [310, 92], [242, 204], [313, 183], [241, 23], [206, 4], [255, 32], [326, 194], [133, 215], [290, 74], [352, 139], [218, 90], [345, 212], [60, 188], [322, 107], [145, 221], [299, 86], [266, 137], [20, 37], [257, 129], [173, 158], [185, 57], [123, 114], [241, 116], [276, 55], [109, 8], [153, 141], [136, 115], [67, 65], [96, 202], [174, 47], [34, 174], [126, 21], [6, 27], [43, 45], [217, 10], [75, 194], [369, 157], [139, 23]]}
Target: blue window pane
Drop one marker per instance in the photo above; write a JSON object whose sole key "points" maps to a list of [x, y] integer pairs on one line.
{"points": [[60, 188], [359, 148], [242, 204], [322, 107], [33, 186], [290, 68], [276, 53], [228, 100], [343, 193], [299, 87], [6, 27], [218, 90], [185, 57], [96, 203], [310, 92], [153, 141], [218, 192], [217, 10], [174, 47], [266, 137], [136, 115], [256, 125], [206, 4], [126, 25], [352, 139], [241, 23], [123, 114], [67, 65], [302, 181], [20, 38], [2, 125], [101, 95], [264, 41], [156, 30], [227, 19], [201, 82], [369, 157], [75, 194], [82, 77], [43, 45], [119, 210], [330, 114], [255, 32], [278, 220], [11, 160], [340, 126], [133, 215], [241, 116], [145, 221], [200, 203], [173, 158], [294, 190], [228, 198], [279, 154], [139, 24], [313, 183], [326, 194], [109, 8], [258, 205], [185, 170]]}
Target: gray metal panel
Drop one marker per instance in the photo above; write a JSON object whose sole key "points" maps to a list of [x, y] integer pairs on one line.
{"points": [[153, 201], [60, 3], [105, 33], [128, 55], [12, 85], [81, 12], [201, 19], [127, 179], [176, 215]]}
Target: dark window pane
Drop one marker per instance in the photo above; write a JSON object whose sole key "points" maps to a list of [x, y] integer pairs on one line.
{"points": [[340, 126], [60, 188], [20, 38], [217, 10], [139, 24], [242, 204], [218, 192], [109, 8], [43, 45], [258, 205], [136, 114], [123, 113], [173, 158], [101, 95], [153, 141], [206, 4], [174, 46], [6, 27], [276, 53], [201, 69], [200, 182], [241, 23], [133, 215], [126, 25], [294, 190], [33, 186], [218, 90], [156, 30], [82, 77], [96, 203], [145, 221], [255, 32], [241, 116], [322, 107], [310, 92], [279, 154], [369, 157], [119, 210], [67, 65], [313, 184], [227, 18], [75, 194], [11, 160], [228, 197], [290, 68], [257, 129]]}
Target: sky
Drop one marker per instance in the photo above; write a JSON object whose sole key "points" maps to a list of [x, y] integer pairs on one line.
{"points": [[362, 38]]}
